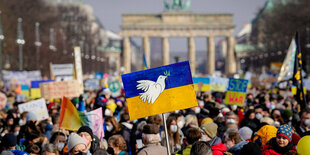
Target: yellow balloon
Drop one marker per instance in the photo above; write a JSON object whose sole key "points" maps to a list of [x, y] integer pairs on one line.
{"points": [[303, 146]]}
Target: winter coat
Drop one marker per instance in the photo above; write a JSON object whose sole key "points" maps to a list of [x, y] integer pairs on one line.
{"points": [[236, 148], [217, 146], [153, 149], [272, 148]]}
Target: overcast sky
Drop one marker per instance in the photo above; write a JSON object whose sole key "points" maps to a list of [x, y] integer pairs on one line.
{"points": [[110, 12]]}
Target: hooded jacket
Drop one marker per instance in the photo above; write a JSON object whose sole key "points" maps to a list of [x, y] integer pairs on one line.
{"points": [[236, 148], [217, 146]]}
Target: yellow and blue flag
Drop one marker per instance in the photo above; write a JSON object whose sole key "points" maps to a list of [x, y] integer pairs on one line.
{"points": [[159, 90]]}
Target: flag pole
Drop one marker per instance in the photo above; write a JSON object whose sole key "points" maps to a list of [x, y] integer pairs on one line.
{"points": [[166, 134], [303, 105]]}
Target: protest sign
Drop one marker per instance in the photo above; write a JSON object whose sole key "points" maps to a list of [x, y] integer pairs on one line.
{"points": [[307, 84], [159, 90], [92, 84], [35, 91], [115, 88], [78, 67], [3, 100], [218, 84], [38, 107], [201, 83], [98, 75], [62, 72], [25, 90], [59, 89], [236, 91], [20, 77]]}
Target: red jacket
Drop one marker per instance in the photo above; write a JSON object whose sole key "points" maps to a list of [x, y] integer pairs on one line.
{"points": [[269, 148], [218, 149]]}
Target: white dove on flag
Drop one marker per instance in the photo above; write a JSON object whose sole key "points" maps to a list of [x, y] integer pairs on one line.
{"points": [[152, 89]]}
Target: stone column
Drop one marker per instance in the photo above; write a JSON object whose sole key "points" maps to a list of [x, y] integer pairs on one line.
{"points": [[191, 54], [211, 55], [146, 50], [165, 54], [118, 63], [230, 63], [127, 54]]}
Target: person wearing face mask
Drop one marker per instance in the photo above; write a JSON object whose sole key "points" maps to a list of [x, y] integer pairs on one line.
{"points": [[282, 143], [77, 145], [94, 147], [209, 134], [173, 134], [304, 125], [112, 127], [59, 140]]}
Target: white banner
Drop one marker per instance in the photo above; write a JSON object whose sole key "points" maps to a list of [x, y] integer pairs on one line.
{"points": [[38, 107]]}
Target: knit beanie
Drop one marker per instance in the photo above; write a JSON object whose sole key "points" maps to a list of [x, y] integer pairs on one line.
{"points": [[285, 131], [245, 133], [31, 117], [86, 129], [73, 140], [9, 140], [210, 129], [6, 153]]}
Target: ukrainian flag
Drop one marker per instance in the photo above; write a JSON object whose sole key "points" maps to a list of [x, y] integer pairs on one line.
{"points": [[159, 90]]}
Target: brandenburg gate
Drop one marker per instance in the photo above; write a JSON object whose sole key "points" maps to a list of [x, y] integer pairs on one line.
{"points": [[180, 24]]}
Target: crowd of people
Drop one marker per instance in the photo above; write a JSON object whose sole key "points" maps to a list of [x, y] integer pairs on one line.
{"points": [[269, 123]]}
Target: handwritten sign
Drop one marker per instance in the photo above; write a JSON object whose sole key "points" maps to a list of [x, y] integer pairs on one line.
{"points": [[236, 91], [3, 100], [38, 107], [59, 89]]}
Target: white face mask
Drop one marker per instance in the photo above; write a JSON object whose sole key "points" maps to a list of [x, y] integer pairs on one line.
{"points": [[180, 124], [276, 124], [230, 121], [60, 146], [109, 127], [16, 133], [197, 110], [307, 122], [173, 128], [259, 116], [201, 103], [107, 112], [272, 107], [233, 107]]}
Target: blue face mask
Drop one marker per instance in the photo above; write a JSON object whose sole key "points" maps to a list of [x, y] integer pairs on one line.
{"points": [[272, 107]]}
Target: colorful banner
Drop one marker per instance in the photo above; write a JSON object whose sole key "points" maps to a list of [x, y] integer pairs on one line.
{"points": [[59, 89], [20, 77], [159, 90], [236, 91], [94, 120], [201, 83], [38, 107]]}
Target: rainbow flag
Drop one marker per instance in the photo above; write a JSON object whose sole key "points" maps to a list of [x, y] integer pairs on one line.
{"points": [[71, 119], [159, 90], [69, 116]]}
